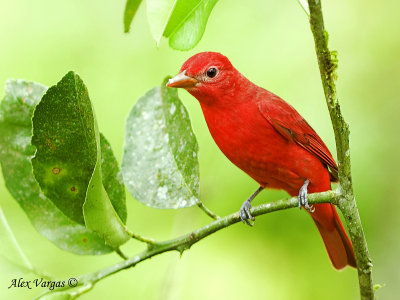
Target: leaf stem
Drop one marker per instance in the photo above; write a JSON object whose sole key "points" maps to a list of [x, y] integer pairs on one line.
{"points": [[138, 237], [207, 211], [327, 61], [120, 253]]}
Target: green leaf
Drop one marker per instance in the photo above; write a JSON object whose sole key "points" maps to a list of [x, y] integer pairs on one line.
{"points": [[65, 138], [180, 12], [158, 15], [112, 179], [67, 163], [182, 21], [16, 111], [130, 11], [98, 210], [160, 160], [189, 33]]}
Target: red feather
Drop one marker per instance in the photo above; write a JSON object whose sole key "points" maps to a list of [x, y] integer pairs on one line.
{"points": [[291, 125], [266, 138]]}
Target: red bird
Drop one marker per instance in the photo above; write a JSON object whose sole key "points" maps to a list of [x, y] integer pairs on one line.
{"points": [[269, 140]]}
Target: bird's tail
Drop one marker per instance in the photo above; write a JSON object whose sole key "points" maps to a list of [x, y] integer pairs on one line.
{"points": [[337, 243]]}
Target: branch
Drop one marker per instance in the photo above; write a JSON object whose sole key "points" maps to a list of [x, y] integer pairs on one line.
{"points": [[184, 242], [327, 62]]}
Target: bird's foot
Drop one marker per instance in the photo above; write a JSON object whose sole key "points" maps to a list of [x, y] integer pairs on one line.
{"points": [[303, 201], [244, 211], [245, 214]]}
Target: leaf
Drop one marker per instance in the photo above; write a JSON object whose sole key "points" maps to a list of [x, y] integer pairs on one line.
{"points": [[160, 160], [129, 13], [189, 33], [67, 162], [112, 179], [182, 21], [65, 139], [158, 15], [180, 11], [16, 151], [99, 213]]}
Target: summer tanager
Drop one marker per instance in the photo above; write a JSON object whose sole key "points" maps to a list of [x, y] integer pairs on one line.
{"points": [[269, 140]]}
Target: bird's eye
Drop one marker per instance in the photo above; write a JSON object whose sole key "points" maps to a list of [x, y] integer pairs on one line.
{"points": [[211, 72]]}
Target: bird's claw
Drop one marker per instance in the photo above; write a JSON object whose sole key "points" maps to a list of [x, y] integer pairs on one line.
{"points": [[245, 214], [303, 200], [244, 211]]}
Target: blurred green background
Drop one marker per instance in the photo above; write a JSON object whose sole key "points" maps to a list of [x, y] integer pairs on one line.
{"points": [[282, 257]]}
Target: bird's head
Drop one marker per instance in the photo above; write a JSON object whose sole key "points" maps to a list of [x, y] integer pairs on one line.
{"points": [[206, 75]]}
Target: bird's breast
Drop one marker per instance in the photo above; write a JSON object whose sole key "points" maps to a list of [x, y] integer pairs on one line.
{"points": [[240, 131]]}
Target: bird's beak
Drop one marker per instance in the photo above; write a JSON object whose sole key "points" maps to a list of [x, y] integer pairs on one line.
{"points": [[182, 81]]}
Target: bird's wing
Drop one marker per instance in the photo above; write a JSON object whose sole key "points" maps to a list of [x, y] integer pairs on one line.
{"points": [[291, 125]]}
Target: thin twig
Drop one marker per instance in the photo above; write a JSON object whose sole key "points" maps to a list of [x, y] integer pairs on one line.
{"points": [[25, 261]]}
